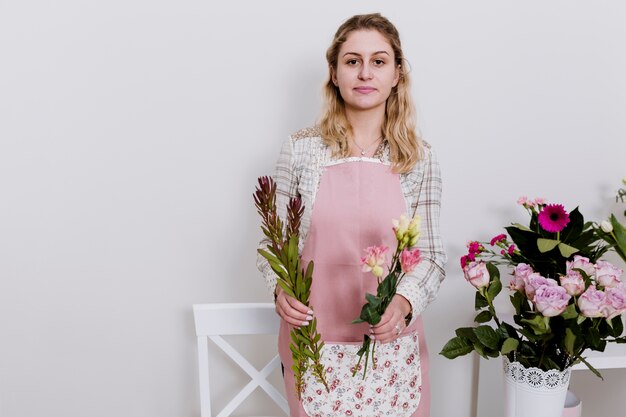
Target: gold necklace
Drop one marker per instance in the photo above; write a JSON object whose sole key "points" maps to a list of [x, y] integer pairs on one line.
{"points": [[364, 150]]}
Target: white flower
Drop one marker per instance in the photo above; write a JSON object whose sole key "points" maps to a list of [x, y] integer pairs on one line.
{"points": [[606, 226]]}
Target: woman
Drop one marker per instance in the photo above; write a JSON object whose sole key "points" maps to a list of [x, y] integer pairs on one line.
{"points": [[361, 167]]}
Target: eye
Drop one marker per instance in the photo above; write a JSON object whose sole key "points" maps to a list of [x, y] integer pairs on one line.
{"points": [[379, 62], [351, 62]]}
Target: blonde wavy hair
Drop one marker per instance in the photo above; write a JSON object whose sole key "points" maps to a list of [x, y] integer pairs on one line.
{"points": [[399, 125]]}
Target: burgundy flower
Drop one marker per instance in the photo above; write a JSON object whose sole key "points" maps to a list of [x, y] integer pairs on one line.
{"points": [[553, 218]]}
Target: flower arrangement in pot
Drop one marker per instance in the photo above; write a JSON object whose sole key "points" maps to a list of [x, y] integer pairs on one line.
{"points": [[566, 301]]}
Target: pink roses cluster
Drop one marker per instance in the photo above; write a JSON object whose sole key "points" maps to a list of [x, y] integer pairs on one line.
{"points": [[605, 296]]}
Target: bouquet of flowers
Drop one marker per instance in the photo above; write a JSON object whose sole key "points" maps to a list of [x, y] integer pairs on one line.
{"points": [[612, 231], [282, 255], [566, 299], [404, 260]]}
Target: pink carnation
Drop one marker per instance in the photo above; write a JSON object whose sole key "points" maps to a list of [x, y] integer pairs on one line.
{"points": [[573, 283], [608, 275], [551, 300], [592, 302], [615, 303], [497, 239], [475, 247], [476, 273], [533, 282], [409, 258], [523, 200], [540, 201], [511, 250]]}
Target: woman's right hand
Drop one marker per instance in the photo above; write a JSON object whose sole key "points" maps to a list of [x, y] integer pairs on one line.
{"points": [[291, 310]]}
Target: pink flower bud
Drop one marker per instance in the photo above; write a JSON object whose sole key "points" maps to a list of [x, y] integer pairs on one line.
{"points": [[476, 273], [573, 283], [409, 258]]}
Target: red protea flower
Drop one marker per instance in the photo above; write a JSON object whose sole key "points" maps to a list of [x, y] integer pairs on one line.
{"points": [[553, 218]]}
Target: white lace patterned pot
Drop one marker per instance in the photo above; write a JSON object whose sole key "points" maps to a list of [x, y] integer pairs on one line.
{"points": [[531, 392]]}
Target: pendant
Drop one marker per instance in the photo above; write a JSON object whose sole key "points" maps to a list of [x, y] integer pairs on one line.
{"points": [[362, 153]]}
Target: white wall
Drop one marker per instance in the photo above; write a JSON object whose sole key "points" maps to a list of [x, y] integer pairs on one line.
{"points": [[132, 132]]}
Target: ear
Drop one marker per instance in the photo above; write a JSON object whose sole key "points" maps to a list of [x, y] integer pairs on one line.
{"points": [[396, 77], [333, 76]]}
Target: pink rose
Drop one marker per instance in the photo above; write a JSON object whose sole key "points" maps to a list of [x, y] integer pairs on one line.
{"points": [[592, 302], [374, 260], [573, 283], [533, 281], [409, 258], [520, 273], [608, 275], [476, 273], [582, 263], [551, 300], [615, 303]]}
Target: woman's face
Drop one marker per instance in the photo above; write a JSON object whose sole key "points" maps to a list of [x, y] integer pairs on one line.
{"points": [[366, 70]]}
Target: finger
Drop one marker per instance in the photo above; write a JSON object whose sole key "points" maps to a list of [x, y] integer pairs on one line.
{"points": [[298, 306], [290, 315]]}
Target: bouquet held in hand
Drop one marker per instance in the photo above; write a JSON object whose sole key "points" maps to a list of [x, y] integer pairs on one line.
{"points": [[282, 255], [404, 260]]}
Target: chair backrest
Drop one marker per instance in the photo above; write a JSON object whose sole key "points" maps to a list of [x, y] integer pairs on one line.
{"points": [[216, 320]]}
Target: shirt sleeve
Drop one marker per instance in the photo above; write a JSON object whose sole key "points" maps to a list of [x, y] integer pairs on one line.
{"points": [[421, 286], [286, 188]]}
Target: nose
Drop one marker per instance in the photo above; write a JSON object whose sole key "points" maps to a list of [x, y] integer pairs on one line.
{"points": [[365, 72]]}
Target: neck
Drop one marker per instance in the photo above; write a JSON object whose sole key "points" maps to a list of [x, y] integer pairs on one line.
{"points": [[366, 125]]}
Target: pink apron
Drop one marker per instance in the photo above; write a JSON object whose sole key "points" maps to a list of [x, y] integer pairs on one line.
{"points": [[354, 206]]}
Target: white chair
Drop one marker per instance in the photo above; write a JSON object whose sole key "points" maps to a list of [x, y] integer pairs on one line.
{"points": [[216, 320]]}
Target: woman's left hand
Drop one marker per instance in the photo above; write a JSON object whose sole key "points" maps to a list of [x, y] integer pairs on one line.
{"points": [[392, 323]]}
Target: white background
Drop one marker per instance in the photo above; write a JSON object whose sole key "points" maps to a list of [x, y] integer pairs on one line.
{"points": [[132, 133]]}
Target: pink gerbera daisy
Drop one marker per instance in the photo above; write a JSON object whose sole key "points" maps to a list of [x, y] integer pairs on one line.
{"points": [[553, 218]]}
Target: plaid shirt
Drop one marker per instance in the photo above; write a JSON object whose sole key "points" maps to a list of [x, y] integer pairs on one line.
{"points": [[299, 169]]}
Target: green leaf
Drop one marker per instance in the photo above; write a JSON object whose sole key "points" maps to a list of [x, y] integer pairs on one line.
{"points": [[369, 314], [509, 345], [495, 286], [538, 324], [566, 250], [521, 227], [480, 301], [466, 333], [570, 312], [456, 347], [483, 317], [286, 288], [487, 336], [546, 245]]}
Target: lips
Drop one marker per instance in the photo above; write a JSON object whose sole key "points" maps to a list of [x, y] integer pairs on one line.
{"points": [[364, 90]]}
